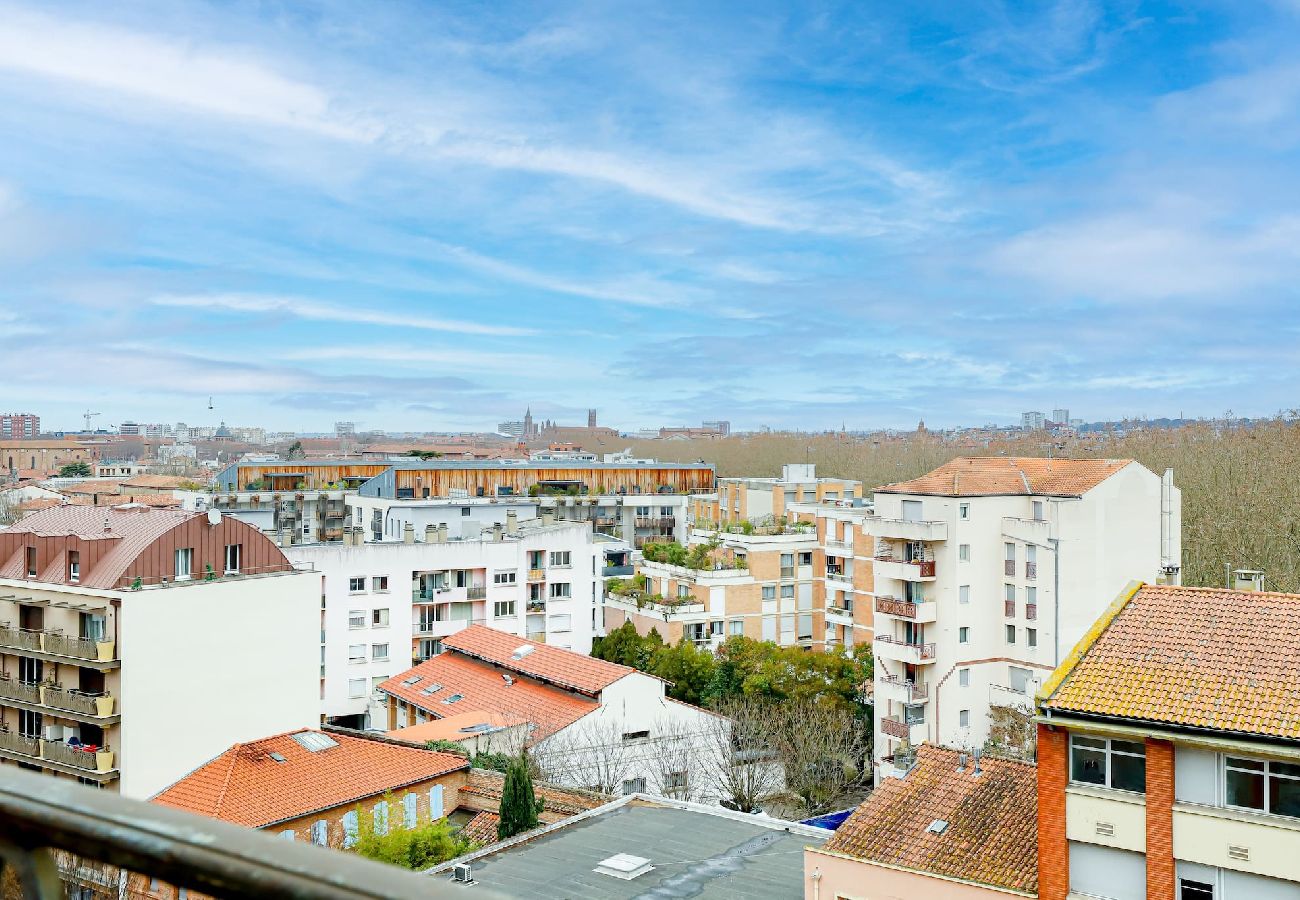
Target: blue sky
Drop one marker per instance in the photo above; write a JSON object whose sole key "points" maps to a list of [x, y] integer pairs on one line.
{"points": [[428, 215]]}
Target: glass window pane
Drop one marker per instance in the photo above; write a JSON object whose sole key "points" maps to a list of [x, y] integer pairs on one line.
{"points": [[1079, 741], [1281, 768], [1088, 766], [1128, 747], [1128, 773], [1236, 762], [1245, 789], [1284, 797]]}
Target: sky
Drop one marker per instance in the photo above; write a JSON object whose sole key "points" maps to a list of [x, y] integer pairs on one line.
{"points": [[428, 216]]}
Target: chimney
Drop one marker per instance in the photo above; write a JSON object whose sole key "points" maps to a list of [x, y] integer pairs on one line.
{"points": [[442, 533], [548, 516], [431, 534], [358, 535], [497, 531], [512, 522], [286, 537], [961, 762], [978, 772], [408, 533]]}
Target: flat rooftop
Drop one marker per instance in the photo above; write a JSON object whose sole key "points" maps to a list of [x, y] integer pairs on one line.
{"points": [[695, 851]]}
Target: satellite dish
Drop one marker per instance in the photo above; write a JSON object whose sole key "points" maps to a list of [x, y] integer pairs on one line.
{"points": [[214, 516]]}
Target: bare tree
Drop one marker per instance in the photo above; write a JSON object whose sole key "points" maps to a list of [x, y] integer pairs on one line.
{"points": [[736, 758], [675, 745], [1012, 733], [823, 751], [591, 755]]}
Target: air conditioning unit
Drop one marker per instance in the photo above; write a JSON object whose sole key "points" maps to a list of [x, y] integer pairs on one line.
{"points": [[460, 873]]}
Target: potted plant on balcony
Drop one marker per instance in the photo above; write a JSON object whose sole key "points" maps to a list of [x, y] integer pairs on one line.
{"points": [[105, 650], [103, 759], [104, 705]]}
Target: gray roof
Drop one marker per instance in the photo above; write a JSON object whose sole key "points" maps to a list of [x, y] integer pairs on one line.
{"points": [[697, 852]]}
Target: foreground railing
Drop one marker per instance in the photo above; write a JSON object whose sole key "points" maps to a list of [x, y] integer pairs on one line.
{"points": [[40, 816]]}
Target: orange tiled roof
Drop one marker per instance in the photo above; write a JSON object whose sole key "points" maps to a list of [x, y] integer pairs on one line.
{"points": [[992, 832], [246, 786], [553, 664], [979, 476], [483, 689], [486, 786], [482, 829], [452, 728], [1197, 657]]}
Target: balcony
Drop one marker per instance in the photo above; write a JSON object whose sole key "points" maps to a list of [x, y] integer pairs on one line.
{"points": [[887, 647], [1031, 571], [618, 571], [903, 530], [904, 691], [841, 577], [476, 593], [898, 729], [903, 570], [647, 522], [20, 743], [535, 575], [1031, 611], [98, 760], [95, 704], [837, 547], [1027, 531], [1009, 568], [24, 691], [913, 611], [839, 615], [58, 647], [48, 819], [536, 606], [1010, 608]]}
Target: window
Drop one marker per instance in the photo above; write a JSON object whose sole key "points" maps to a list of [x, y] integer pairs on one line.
{"points": [[560, 623], [184, 563], [737, 627], [963, 635], [379, 617], [674, 782], [1019, 678], [769, 592], [375, 682], [357, 618], [636, 735], [1265, 785], [320, 830], [503, 577], [410, 810], [1009, 592], [963, 511], [357, 585], [805, 558], [378, 651], [357, 654], [787, 591], [1031, 596], [963, 677], [503, 608], [911, 510], [379, 584], [1011, 634], [963, 552], [787, 563], [963, 718], [963, 594], [560, 558], [634, 786], [31, 562], [1010, 550], [665, 511], [286, 835], [805, 627], [350, 828], [234, 554], [683, 591], [1038, 510], [1121, 765], [914, 714], [74, 566], [1194, 890], [560, 590], [1031, 637], [356, 688]]}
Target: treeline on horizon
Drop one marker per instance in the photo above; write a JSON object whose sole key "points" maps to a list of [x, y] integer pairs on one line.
{"points": [[1240, 484]]}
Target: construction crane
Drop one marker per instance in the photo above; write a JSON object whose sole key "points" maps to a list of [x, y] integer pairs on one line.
{"points": [[88, 415]]}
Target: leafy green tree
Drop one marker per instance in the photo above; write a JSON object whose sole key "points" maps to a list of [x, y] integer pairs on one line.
{"points": [[498, 762], [296, 451], [445, 747], [689, 668], [76, 470], [519, 805], [411, 848]]}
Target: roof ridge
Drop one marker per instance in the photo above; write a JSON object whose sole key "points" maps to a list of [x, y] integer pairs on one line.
{"points": [[232, 758], [1090, 637]]}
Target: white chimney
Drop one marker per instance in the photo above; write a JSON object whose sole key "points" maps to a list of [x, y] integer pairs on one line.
{"points": [[512, 522], [442, 533], [431, 534], [408, 533]]}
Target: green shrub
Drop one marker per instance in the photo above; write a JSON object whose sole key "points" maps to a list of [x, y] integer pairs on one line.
{"points": [[411, 848]]}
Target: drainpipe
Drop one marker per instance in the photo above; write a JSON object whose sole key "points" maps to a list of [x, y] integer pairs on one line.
{"points": [[1056, 599]]}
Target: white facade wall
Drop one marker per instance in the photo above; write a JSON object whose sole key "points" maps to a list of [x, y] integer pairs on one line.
{"points": [[463, 518], [565, 622], [1105, 539], [208, 665]]}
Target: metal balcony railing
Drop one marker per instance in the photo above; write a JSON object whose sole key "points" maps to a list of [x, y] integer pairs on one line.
{"points": [[1031, 611], [20, 638], [1010, 607], [1031, 571], [57, 751], [476, 593], [890, 606], [1009, 567], [914, 690], [46, 820], [536, 574], [20, 743], [66, 645], [923, 651], [26, 691], [896, 728], [85, 702]]}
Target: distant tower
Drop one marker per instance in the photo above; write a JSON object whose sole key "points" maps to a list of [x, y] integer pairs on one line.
{"points": [[591, 418], [920, 427], [528, 422]]}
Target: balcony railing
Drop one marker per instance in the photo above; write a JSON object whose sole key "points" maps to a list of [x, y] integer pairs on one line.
{"points": [[26, 691], [20, 743], [536, 606], [896, 728], [1031, 611], [1009, 567], [476, 593], [839, 576], [1031, 571], [1010, 608], [617, 571], [20, 638], [892, 607], [85, 702], [536, 574], [43, 817], [924, 651], [66, 645], [914, 691], [99, 760], [56, 643]]}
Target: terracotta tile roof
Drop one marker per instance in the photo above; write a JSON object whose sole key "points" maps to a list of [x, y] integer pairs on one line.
{"points": [[105, 486], [485, 786], [482, 688], [992, 832], [553, 664], [157, 482], [979, 476], [452, 727], [1197, 657], [246, 786], [482, 829]]}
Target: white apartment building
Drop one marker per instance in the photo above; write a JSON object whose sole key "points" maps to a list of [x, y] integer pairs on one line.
{"points": [[987, 571], [388, 603], [138, 643]]}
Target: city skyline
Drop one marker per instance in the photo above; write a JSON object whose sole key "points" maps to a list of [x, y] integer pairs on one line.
{"points": [[427, 217]]}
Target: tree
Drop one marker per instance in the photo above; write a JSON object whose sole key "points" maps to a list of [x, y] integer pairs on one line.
{"points": [[1012, 734], [687, 667], [736, 756], [519, 805], [76, 470], [296, 451], [411, 848], [590, 754], [824, 751]]}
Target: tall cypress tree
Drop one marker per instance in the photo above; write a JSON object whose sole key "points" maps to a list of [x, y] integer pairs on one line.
{"points": [[519, 806]]}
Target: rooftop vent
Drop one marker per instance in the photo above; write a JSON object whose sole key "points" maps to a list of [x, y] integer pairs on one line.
{"points": [[522, 651], [624, 866], [412, 680], [278, 757], [938, 826], [315, 741], [505, 676]]}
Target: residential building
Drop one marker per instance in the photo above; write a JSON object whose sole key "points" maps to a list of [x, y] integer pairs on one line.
{"points": [[19, 426], [387, 603], [136, 643], [761, 500], [844, 586], [987, 570], [950, 827], [1169, 750], [1061, 416], [647, 847], [1033, 421], [594, 724]]}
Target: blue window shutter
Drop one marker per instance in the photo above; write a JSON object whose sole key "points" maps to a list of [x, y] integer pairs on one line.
{"points": [[381, 817], [409, 810], [350, 829], [288, 835], [435, 803]]}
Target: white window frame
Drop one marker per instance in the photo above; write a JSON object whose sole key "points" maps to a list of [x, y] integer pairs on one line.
{"points": [[379, 652], [963, 634], [356, 688], [561, 559], [560, 590], [379, 584], [185, 555], [379, 618], [1108, 752], [963, 552], [356, 654], [498, 605], [354, 581], [356, 619], [1266, 773], [234, 554]]}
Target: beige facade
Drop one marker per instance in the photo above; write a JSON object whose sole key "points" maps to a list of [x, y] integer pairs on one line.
{"points": [[837, 876], [766, 499]]}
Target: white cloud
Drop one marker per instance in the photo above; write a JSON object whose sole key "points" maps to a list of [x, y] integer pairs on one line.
{"points": [[326, 312]]}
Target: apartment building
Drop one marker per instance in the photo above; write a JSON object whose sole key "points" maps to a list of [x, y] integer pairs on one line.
{"points": [[137, 643], [593, 724], [988, 570], [845, 582], [1169, 751], [760, 585], [386, 603], [763, 499], [19, 426]]}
